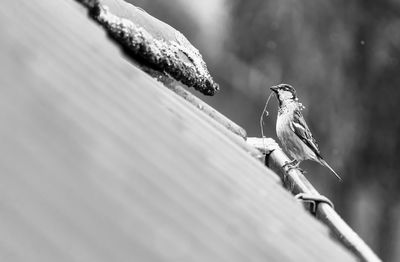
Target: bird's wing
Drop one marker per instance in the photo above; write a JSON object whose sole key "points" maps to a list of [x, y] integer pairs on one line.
{"points": [[300, 128]]}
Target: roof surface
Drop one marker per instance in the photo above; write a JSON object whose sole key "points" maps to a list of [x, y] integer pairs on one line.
{"points": [[100, 162]]}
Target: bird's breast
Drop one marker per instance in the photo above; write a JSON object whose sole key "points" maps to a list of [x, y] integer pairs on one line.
{"points": [[283, 128], [291, 143]]}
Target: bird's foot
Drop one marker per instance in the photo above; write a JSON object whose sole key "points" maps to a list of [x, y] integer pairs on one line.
{"points": [[291, 164], [294, 164], [314, 200]]}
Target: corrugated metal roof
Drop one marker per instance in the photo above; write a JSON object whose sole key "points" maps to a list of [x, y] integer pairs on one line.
{"points": [[100, 162]]}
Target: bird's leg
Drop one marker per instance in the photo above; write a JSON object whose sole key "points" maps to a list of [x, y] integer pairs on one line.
{"points": [[291, 164], [294, 164]]}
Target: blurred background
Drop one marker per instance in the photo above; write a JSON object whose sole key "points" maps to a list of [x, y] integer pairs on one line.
{"points": [[343, 57]]}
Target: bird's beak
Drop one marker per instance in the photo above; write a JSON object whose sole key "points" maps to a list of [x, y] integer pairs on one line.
{"points": [[274, 88]]}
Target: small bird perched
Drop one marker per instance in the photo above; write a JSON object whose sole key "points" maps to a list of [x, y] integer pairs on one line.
{"points": [[292, 130]]}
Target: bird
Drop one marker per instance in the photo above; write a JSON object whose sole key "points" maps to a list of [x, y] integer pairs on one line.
{"points": [[292, 129]]}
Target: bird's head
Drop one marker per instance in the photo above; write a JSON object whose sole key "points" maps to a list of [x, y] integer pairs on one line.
{"points": [[284, 92]]}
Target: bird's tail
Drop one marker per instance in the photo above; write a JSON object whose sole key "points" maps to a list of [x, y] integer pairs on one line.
{"points": [[323, 162]]}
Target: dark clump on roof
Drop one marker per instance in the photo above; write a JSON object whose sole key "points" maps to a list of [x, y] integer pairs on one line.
{"points": [[154, 43]]}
